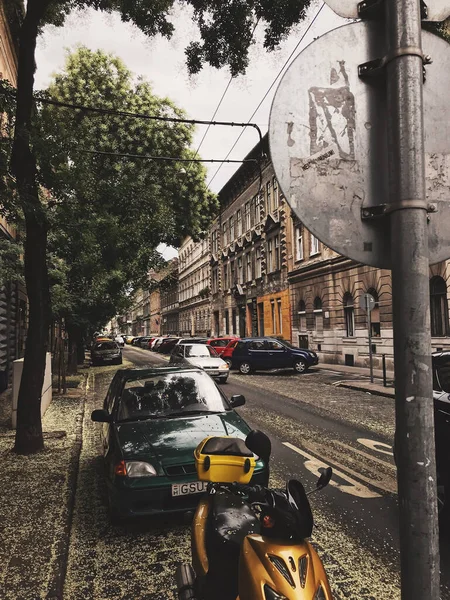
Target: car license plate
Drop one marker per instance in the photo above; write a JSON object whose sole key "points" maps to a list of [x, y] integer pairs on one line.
{"points": [[185, 489]]}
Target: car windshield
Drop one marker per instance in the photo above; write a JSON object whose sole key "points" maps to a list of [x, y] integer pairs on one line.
{"points": [[105, 346], [169, 395], [199, 351], [289, 345]]}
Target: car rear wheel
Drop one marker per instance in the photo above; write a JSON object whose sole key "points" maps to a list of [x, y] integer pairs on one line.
{"points": [[300, 366], [245, 368]]}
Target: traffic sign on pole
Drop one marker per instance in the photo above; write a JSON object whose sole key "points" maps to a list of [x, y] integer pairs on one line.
{"points": [[367, 302], [367, 170], [328, 141], [436, 10]]}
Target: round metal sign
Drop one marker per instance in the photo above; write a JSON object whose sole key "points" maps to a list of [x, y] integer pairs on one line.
{"points": [[367, 302], [328, 142], [437, 10]]}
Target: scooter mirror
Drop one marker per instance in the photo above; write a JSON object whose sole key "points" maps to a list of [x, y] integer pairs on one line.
{"points": [[259, 444], [324, 478]]}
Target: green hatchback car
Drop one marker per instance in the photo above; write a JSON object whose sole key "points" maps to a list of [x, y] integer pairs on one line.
{"points": [[152, 421]]}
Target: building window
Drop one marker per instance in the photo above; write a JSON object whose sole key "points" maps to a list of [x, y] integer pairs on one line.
{"points": [[318, 315], [257, 262], [224, 234], [231, 228], [276, 195], [280, 315], [269, 196], [314, 245], [277, 253], [249, 274], [233, 321], [302, 315], [349, 312], [375, 326], [215, 280], [247, 223], [214, 244], [232, 274], [298, 237], [259, 208], [270, 255], [225, 276], [227, 323], [253, 205], [272, 309], [238, 223], [240, 273], [439, 307]]}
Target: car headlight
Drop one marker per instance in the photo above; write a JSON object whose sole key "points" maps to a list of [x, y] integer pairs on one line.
{"points": [[137, 468], [320, 594], [271, 594], [225, 367]]}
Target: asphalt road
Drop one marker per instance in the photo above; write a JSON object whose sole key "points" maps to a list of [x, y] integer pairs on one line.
{"points": [[314, 424]]}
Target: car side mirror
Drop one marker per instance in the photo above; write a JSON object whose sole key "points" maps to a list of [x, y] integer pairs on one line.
{"points": [[237, 400], [259, 443], [101, 416]]}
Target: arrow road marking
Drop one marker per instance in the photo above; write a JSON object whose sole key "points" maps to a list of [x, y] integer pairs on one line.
{"points": [[314, 465], [377, 446]]}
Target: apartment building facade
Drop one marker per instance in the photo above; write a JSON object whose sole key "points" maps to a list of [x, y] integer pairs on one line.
{"points": [[248, 240], [194, 281], [170, 307], [13, 298]]}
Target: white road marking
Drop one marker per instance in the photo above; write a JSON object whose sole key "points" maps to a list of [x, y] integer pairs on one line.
{"points": [[367, 455], [314, 465], [377, 446]]}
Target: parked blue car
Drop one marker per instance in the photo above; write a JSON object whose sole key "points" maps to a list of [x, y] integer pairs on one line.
{"points": [[266, 353]]}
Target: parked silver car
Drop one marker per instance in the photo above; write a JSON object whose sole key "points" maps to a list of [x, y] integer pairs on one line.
{"points": [[106, 352], [203, 356]]}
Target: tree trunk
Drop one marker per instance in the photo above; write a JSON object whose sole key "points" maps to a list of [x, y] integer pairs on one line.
{"points": [[29, 426], [72, 363]]}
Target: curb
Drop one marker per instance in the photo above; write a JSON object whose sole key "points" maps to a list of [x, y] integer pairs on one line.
{"points": [[361, 388], [58, 577]]}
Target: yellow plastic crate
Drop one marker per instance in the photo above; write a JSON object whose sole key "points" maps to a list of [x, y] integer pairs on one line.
{"points": [[224, 460]]}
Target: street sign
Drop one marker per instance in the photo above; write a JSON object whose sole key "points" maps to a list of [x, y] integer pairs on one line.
{"points": [[367, 302], [437, 10], [329, 148]]}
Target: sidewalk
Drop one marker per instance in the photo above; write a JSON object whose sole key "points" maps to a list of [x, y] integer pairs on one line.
{"points": [[363, 384]]}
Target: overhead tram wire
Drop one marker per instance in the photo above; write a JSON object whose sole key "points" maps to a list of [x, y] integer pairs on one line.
{"points": [[164, 158], [124, 113], [270, 87], [221, 100]]}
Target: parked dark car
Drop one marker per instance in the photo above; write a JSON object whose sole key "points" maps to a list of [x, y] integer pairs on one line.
{"points": [[167, 345], [106, 352], [441, 396], [143, 342], [263, 354], [135, 340], [152, 421]]}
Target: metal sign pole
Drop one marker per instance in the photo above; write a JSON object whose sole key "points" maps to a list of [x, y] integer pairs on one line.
{"points": [[415, 449], [369, 331]]}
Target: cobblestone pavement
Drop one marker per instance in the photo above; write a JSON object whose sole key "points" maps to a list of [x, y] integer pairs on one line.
{"points": [[375, 413]]}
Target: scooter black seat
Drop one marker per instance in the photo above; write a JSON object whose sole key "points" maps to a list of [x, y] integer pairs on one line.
{"points": [[231, 520]]}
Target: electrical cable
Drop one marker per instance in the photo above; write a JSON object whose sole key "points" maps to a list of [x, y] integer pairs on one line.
{"points": [[270, 87], [221, 99], [163, 158]]}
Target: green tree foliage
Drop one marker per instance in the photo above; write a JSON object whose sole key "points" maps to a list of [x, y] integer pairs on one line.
{"points": [[109, 213]]}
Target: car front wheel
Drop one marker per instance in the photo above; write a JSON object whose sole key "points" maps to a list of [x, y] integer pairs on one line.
{"points": [[228, 361], [245, 368], [300, 366]]}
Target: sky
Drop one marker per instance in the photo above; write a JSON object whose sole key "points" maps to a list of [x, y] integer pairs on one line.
{"points": [[162, 62]]}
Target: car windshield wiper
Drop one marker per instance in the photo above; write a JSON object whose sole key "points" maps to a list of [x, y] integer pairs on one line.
{"points": [[139, 418], [197, 411]]}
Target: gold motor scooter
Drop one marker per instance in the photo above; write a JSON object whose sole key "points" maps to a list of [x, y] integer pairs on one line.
{"points": [[249, 542]]}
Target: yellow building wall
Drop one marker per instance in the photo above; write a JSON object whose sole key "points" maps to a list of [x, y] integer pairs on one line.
{"points": [[284, 328]]}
